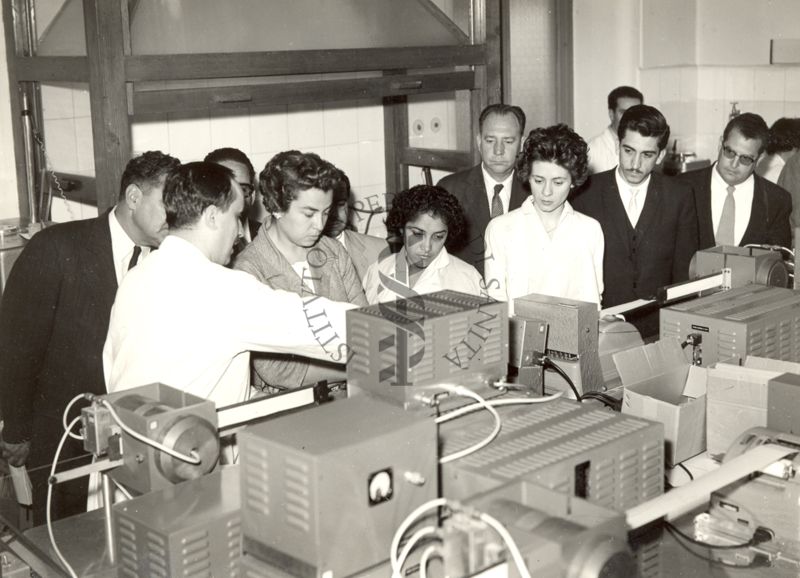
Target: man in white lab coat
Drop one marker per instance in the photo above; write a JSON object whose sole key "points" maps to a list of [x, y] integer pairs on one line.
{"points": [[604, 148], [183, 319]]}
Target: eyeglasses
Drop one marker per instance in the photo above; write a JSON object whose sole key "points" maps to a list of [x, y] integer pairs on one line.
{"points": [[731, 154], [247, 190]]}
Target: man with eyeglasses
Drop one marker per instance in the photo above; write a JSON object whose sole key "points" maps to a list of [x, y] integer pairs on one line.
{"points": [[735, 206], [243, 172]]}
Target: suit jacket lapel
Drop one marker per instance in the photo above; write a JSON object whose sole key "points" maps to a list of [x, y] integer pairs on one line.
{"points": [[702, 193], [650, 208], [99, 244], [518, 193], [758, 211], [612, 206], [478, 202]]}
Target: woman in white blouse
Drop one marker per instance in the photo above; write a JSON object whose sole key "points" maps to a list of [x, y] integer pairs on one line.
{"points": [[545, 246], [426, 218]]}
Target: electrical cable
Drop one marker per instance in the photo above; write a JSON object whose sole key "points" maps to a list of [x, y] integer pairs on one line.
{"points": [[756, 539], [607, 400], [409, 546], [459, 390], [758, 561], [193, 458], [427, 554], [688, 473], [406, 524], [123, 489], [516, 555], [66, 412], [496, 403], [547, 362], [50, 485]]}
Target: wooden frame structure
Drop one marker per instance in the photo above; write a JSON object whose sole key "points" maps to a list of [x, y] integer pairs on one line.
{"points": [[112, 74]]}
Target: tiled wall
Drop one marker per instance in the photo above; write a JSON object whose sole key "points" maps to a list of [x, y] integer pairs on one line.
{"points": [[697, 99], [349, 134]]}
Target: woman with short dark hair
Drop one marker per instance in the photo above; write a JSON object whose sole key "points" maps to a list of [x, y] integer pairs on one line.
{"points": [[546, 246], [290, 253], [426, 218]]}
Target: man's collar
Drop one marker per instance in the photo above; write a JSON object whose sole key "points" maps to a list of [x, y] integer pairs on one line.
{"points": [[490, 179], [623, 184]]}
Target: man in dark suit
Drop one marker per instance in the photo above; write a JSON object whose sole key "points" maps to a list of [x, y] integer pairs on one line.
{"points": [[649, 220], [54, 318], [244, 174], [491, 188], [735, 206]]}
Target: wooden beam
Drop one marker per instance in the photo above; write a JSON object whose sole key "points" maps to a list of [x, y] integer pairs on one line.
{"points": [[445, 20], [395, 134], [231, 97], [52, 68], [443, 160], [494, 51], [564, 68], [247, 64], [107, 95], [13, 30]]}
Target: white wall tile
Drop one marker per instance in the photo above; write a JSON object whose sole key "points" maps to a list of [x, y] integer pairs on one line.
{"points": [[769, 111], [230, 130], [150, 133], [341, 123], [710, 83], [370, 120], [711, 116], [372, 164], [306, 127], [189, 137], [650, 84], [345, 157], [84, 144], [792, 91], [669, 82], [80, 100], [59, 138], [739, 84], [792, 108], [688, 81], [770, 84], [57, 101], [369, 198], [269, 129]]}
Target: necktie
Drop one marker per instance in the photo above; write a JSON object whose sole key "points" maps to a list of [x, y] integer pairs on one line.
{"points": [[633, 213], [137, 250], [725, 232], [497, 203]]}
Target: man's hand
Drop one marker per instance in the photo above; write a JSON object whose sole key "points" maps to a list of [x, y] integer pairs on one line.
{"points": [[15, 454]]}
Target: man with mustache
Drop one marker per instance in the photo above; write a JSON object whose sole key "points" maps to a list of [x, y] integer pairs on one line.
{"points": [[649, 220]]}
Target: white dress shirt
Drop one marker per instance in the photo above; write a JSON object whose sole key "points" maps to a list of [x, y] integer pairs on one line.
{"points": [[122, 247], [770, 167], [743, 195], [522, 258], [604, 151], [627, 191], [444, 272], [184, 321], [505, 192]]}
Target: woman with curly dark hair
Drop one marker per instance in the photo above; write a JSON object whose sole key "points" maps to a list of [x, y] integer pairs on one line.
{"points": [[546, 246], [290, 253], [426, 218]]}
